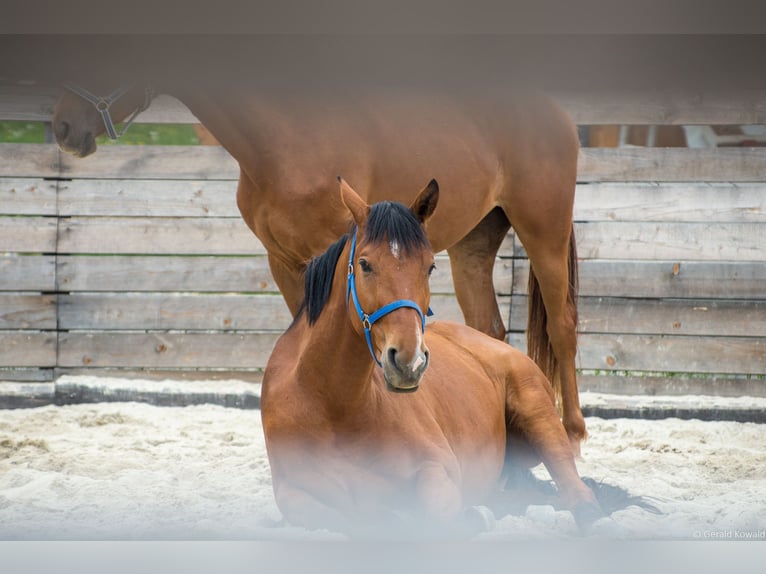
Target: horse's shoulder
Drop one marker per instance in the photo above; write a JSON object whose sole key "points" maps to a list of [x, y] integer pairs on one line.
{"points": [[279, 380]]}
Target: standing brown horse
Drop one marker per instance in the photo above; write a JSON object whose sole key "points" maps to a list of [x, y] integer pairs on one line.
{"points": [[434, 430], [502, 159]]}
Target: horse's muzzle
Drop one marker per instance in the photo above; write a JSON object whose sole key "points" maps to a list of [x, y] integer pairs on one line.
{"points": [[79, 144], [404, 376]]}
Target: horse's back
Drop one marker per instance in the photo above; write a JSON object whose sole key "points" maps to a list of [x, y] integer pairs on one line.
{"points": [[489, 358]]}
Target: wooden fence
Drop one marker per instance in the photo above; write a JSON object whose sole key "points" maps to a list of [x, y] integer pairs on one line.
{"points": [[136, 259]]}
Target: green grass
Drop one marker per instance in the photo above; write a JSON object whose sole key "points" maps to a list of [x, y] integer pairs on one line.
{"points": [[137, 134], [154, 134], [22, 132]]}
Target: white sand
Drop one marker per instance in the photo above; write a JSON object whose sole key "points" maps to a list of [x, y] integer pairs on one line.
{"points": [[134, 471]]}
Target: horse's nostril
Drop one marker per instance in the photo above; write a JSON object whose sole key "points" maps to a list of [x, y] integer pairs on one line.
{"points": [[392, 352], [61, 130]]}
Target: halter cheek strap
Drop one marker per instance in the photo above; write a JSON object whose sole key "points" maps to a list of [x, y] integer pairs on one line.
{"points": [[103, 104], [369, 320]]}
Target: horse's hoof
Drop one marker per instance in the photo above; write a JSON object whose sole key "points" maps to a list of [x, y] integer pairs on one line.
{"points": [[480, 518], [606, 527]]}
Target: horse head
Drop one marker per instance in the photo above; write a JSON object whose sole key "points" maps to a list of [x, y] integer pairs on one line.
{"points": [[388, 290], [80, 116]]}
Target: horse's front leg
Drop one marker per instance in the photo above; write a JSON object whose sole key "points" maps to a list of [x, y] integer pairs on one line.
{"points": [[441, 504], [299, 507]]}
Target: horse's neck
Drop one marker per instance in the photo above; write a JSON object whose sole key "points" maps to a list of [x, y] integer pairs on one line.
{"points": [[232, 119], [334, 358]]}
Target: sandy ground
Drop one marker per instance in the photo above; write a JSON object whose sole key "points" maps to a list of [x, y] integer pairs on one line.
{"points": [[132, 471]]}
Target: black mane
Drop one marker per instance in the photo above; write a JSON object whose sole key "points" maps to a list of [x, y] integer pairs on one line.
{"points": [[388, 221], [318, 279]]}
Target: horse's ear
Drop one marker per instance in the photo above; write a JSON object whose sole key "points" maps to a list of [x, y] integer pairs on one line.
{"points": [[358, 207], [425, 203]]}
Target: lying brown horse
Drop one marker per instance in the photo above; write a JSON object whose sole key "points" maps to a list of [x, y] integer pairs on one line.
{"points": [[502, 159], [375, 423]]}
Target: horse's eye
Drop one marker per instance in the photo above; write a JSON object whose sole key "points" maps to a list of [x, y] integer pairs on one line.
{"points": [[431, 269], [365, 266]]}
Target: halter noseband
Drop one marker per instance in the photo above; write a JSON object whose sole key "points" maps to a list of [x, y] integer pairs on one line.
{"points": [[369, 320], [102, 105]]}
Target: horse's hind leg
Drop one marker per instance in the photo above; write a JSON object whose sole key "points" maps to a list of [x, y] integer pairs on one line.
{"points": [[552, 256], [533, 420], [472, 260]]}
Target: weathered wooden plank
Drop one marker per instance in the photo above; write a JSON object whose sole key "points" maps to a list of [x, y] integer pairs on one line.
{"points": [[663, 279], [654, 107], [208, 274], [28, 234], [86, 234], [156, 311], [27, 272], [675, 354], [212, 162], [153, 162], [27, 349], [661, 316], [29, 160], [204, 236], [180, 376], [671, 164], [595, 164], [166, 350], [27, 103], [663, 353], [156, 198], [224, 312], [611, 201], [155, 235], [165, 273], [667, 384], [27, 196], [671, 202], [25, 311], [668, 241]]}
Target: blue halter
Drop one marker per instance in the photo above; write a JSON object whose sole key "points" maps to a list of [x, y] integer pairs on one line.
{"points": [[369, 320]]}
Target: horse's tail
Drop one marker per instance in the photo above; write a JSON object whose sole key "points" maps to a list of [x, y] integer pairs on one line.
{"points": [[538, 344]]}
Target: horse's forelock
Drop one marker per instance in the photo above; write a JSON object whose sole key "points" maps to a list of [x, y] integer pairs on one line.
{"points": [[388, 221], [394, 222]]}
